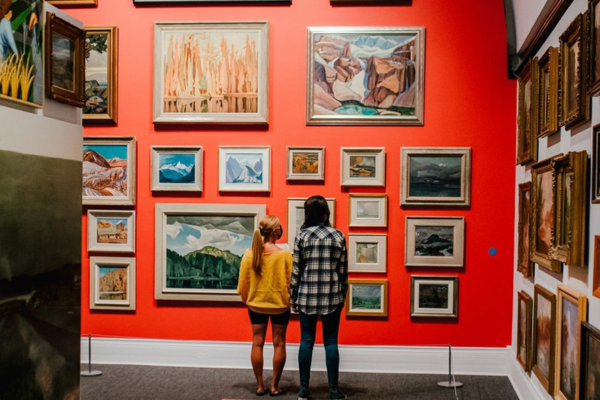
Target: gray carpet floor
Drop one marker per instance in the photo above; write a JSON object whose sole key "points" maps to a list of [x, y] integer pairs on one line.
{"points": [[143, 382]]}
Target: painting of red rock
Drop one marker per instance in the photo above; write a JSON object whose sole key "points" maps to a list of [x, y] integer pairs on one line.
{"points": [[366, 76], [112, 283]]}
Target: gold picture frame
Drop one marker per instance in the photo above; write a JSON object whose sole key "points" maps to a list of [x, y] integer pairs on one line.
{"points": [[524, 263], [594, 48], [548, 68], [596, 264], [527, 113], [544, 337], [524, 329], [367, 298], [595, 164], [590, 362], [73, 3], [543, 180]]}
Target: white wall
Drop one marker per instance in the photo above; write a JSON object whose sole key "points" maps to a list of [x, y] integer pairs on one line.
{"points": [[526, 12]]}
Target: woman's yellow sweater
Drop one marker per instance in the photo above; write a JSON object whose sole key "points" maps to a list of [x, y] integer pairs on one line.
{"points": [[267, 292]]}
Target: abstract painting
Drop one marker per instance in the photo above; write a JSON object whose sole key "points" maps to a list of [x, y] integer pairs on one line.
{"points": [[434, 296], [435, 241], [368, 210], [296, 217], [112, 283], [367, 252], [244, 169], [590, 362], [176, 168], [362, 166], [111, 231], [524, 321], [212, 73], [367, 298], [365, 76], [544, 337], [306, 163]]}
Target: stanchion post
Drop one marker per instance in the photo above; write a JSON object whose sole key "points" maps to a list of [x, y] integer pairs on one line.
{"points": [[451, 383], [89, 372]]}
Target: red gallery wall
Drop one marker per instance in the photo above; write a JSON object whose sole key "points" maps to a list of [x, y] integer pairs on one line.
{"points": [[469, 101]]}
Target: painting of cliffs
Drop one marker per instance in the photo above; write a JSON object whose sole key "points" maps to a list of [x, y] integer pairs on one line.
{"points": [[112, 283], [363, 75]]}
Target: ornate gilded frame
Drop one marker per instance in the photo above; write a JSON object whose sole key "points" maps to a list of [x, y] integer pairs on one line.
{"points": [[524, 263], [596, 263], [548, 68], [538, 170], [588, 332], [594, 49], [524, 332], [546, 381], [596, 164], [526, 120]]}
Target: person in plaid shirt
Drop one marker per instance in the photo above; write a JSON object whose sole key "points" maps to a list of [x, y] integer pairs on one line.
{"points": [[318, 288]]}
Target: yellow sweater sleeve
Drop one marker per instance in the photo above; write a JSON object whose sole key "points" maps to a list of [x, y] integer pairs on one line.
{"points": [[244, 278]]}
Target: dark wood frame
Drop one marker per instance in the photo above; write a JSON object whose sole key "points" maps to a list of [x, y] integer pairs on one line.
{"points": [[524, 297], [527, 133], [587, 331], [384, 306], [593, 50], [55, 24], [548, 105], [596, 284], [546, 381], [596, 164], [524, 263]]}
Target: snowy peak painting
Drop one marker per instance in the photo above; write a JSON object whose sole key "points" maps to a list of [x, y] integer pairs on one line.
{"points": [[244, 169], [176, 169]]}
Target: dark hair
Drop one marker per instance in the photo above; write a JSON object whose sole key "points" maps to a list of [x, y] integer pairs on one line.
{"points": [[316, 212], [5, 6]]}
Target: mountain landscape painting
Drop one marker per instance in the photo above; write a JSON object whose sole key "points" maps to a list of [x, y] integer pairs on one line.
{"points": [[435, 176], [177, 168], [244, 168], [112, 283], [104, 170], [366, 297], [437, 241], [112, 230]]}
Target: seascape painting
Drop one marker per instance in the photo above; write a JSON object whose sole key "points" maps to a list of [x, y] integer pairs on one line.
{"points": [[438, 176], [436, 241], [63, 50], [176, 168], [97, 56], [366, 297], [244, 168], [112, 283], [112, 230], [591, 390], [105, 170], [367, 253], [433, 296], [363, 166], [545, 212], [543, 335], [569, 349], [367, 209]]}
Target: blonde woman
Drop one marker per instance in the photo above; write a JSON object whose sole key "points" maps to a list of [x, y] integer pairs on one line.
{"points": [[264, 286]]}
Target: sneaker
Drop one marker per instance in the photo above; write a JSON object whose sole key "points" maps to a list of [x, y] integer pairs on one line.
{"points": [[304, 394], [336, 395]]}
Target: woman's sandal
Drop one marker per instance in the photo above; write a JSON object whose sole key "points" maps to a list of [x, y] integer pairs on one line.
{"points": [[264, 392], [280, 393]]}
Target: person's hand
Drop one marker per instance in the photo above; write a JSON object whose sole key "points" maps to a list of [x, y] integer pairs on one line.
{"points": [[294, 309]]}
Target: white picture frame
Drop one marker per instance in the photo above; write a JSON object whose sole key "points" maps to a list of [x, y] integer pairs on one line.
{"points": [[238, 169], [434, 296], [367, 252], [170, 172], [295, 219], [111, 231], [301, 164], [362, 166], [100, 268], [435, 241], [368, 210]]}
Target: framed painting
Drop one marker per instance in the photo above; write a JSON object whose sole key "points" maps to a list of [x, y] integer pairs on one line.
{"points": [[572, 311], [367, 298], [524, 326], [362, 166], [590, 362], [596, 164], [368, 210], [211, 73], [101, 85], [436, 176], [305, 164], [367, 252], [526, 113], [199, 248], [72, 3], [111, 231], [435, 242], [365, 76], [594, 52], [112, 283], [547, 86], [296, 217], [176, 168], [244, 169], [108, 171], [65, 61], [544, 337], [596, 264], [574, 101], [524, 263], [434, 296], [542, 214], [208, 1]]}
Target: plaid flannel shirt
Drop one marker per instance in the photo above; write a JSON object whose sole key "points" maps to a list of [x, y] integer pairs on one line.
{"points": [[320, 270]]}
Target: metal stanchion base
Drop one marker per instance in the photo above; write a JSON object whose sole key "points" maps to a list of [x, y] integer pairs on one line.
{"points": [[447, 384], [91, 373]]}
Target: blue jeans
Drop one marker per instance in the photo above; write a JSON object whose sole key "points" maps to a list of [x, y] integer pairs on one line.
{"points": [[308, 332]]}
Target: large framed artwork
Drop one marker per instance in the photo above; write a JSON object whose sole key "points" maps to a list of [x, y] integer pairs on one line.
{"points": [[367, 298], [22, 55], [111, 231], [590, 362], [296, 216], [244, 169], [524, 326], [434, 296], [526, 118], [362, 166], [542, 215], [108, 171], [365, 76], [544, 337], [524, 263], [594, 46], [572, 311], [199, 248], [596, 164], [367, 252], [101, 86], [73, 3], [176, 168], [65, 61], [435, 242], [112, 283], [211, 72], [368, 210], [596, 265], [547, 86], [305, 164], [575, 100], [435, 176]]}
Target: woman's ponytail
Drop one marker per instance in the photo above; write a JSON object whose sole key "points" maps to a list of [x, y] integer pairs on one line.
{"points": [[257, 250]]}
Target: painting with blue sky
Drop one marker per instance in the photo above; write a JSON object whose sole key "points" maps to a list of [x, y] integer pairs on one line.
{"points": [[108, 151], [176, 168]]}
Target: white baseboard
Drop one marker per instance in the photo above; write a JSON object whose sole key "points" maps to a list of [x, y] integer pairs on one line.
{"points": [[527, 386]]}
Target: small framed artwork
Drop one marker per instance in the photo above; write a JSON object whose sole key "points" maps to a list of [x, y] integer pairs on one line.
{"points": [[544, 337], [176, 168], [101, 84], [596, 263], [367, 298], [590, 362], [367, 252], [542, 215], [572, 311], [109, 171], [596, 164], [368, 210], [112, 283], [296, 217], [339, 60], [435, 242], [244, 169], [305, 164], [524, 264], [524, 326], [73, 3], [436, 176], [594, 45], [574, 101], [111, 231], [526, 121], [211, 73], [65, 61], [362, 166], [548, 93], [434, 296]]}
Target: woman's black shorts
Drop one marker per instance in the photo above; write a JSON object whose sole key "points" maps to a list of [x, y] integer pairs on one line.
{"points": [[263, 319]]}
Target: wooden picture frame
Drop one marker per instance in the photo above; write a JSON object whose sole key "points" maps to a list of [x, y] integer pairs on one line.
{"points": [[524, 263], [434, 242], [362, 166], [572, 311], [433, 296], [101, 75], [244, 168], [221, 104], [544, 337], [594, 48], [331, 97], [65, 76], [527, 146], [176, 168], [178, 228], [367, 298], [596, 265], [548, 72], [543, 181], [368, 210], [295, 208], [590, 362], [524, 329], [367, 252], [73, 3], [435, 177], [574, 101], [595, 188], [113, 283], [111, 231], [305, 164]]}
